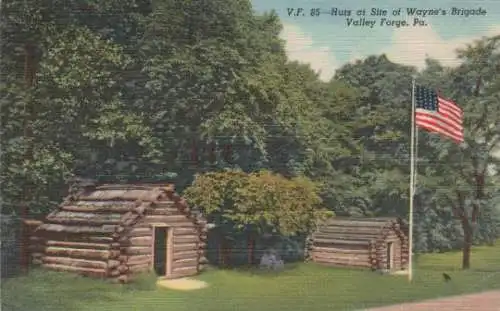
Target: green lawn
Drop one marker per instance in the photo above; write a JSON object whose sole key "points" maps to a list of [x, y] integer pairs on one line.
{"points": [[300, 287]]}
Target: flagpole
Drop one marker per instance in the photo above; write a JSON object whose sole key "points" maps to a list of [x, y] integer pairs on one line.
{"points": [[415, 172], [412, 183]]}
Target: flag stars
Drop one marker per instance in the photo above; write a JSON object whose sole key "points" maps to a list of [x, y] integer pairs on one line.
{"points": [[426, 98]]}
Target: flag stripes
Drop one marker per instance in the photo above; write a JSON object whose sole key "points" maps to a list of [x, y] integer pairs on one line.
{"points": [[438, 115]]}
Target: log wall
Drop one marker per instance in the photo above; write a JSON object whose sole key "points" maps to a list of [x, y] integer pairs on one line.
{"points": [[35, 246], [344, 245], [188, 241], [114, 239], [86, 238], [337, 254], [397, 259], [88, 258]]}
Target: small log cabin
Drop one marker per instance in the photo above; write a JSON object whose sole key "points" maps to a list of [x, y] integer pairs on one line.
{"points": [[375, 243], [117, 231]]}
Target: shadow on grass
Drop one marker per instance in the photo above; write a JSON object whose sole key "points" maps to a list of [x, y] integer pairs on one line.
{"points": [[37, 289]]}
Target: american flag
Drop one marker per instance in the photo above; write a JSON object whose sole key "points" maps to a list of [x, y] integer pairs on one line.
{"points": [[438, 115]]}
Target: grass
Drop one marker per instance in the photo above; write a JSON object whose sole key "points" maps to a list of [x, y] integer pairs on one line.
{"points": [[299, 287]]}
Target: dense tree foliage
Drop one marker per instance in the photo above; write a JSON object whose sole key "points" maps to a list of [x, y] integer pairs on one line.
{"points": [[262, 201], [126, 90]]}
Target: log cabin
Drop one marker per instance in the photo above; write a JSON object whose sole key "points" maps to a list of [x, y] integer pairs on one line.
{"points": [[119, 231], [374, 243]]}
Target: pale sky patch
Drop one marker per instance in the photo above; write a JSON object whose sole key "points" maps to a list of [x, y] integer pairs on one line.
{"points": [[299, 47], [412, 45]]}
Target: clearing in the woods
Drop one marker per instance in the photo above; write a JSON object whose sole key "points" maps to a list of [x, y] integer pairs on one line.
{"points": [[299, 287]]}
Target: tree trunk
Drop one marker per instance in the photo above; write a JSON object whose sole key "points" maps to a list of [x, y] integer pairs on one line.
{"points": [[251, 247], [467, 227], [220, 247], [29, 76], [466, 250]]}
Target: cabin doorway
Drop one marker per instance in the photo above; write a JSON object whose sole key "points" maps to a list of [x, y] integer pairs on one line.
{"points": [[390, 255], [160, 250]]}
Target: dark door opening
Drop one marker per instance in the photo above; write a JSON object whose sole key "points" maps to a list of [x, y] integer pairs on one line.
{"points": [[160, 251], [389, 255]]}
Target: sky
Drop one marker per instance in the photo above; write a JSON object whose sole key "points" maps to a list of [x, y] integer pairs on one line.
{"points": [[326, 42]]}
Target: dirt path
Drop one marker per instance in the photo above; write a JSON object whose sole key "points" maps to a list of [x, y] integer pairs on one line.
{"points": [[487, 301]]}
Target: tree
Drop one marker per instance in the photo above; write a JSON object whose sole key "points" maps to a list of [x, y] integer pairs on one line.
{"points": [[469, 170], [76, 93], [261, 200], [380, 127]]}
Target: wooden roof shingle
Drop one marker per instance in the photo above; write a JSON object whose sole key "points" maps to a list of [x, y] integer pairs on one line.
{"points": [[102, 209]]}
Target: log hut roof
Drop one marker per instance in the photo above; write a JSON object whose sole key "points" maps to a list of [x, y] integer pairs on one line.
{"points": [[109, 207], [356, 230]]}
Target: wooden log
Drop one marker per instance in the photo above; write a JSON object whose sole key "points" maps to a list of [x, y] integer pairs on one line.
{"points": [[356, 224], [73, 262], [112, 264], [138, 268], [121, 229], [165, 211], [340, 262], [339, 241], [343, 230], [344, 265], [122, 269], [82, 244], [97, 209], [136, 250], [65, 229], [185, 254], [122, 195], [82, 253], [146, 223], [82, 221], [140, 241], [342, 256], [184, 271], [166, 203], [185, 247], [131, 220], [85, 271], [347, 236], [139, 259], [126, 187], [32, 223], [186, 239], [186, 231], [84, 238], [339, 250], [138, 232], [188, 262], [165, 218]]}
